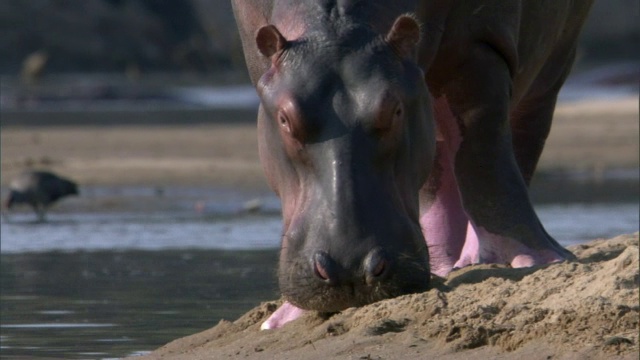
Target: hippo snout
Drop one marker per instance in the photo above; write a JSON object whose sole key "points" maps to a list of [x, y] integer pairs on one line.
{"points": [[375, 267], [329, 281]]}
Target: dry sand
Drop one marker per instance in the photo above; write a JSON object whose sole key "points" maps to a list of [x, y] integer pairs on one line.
{"points": [[586, 309], [582, 310], [210, 154]]}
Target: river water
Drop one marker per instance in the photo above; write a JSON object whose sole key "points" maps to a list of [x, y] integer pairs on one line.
{"points": [[105, 282]]}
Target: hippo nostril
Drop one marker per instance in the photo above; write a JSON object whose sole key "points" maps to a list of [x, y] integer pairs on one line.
{"points": [[376, 265], [322, 265], [320, 271], [379, 269]]}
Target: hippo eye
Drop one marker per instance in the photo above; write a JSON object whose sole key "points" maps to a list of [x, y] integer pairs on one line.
{"points": [[292, 131], [291, 123], [283, 120]]}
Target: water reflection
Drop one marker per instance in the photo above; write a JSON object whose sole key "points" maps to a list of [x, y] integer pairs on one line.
{"points": [[110, 304], [143, 231]]}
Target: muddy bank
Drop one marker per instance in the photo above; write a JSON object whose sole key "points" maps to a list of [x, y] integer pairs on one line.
{"points": [[586, 309]]}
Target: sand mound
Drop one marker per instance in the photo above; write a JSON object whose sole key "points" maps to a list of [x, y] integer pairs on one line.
{"points": [[587, 309]]}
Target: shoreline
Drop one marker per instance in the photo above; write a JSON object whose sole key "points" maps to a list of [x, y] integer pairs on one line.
{"points": [[585, 309], [219, 148]]}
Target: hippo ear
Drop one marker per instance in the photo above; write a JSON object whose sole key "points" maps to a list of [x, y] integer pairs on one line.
{"points": [[404, 36], [270, 40]]}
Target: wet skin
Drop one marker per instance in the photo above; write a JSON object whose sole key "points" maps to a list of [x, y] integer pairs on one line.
{"points": [[378, 134], [347, 162]]}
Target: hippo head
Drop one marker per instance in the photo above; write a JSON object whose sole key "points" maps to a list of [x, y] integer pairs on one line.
{"points": [[346, 140]]}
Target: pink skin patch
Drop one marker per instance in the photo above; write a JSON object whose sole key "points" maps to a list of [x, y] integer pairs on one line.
{"points": [[470, 253], [500, 249], [454, 241], [283, 315], [287, 20], [443, 220]]}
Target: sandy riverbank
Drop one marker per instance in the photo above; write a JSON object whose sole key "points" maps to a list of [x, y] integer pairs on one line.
{"points": [[591, 136], [586, 309]]}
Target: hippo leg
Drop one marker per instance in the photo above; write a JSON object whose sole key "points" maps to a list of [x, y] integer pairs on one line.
{"points": [[493, 191], [531, 119], [443, 220]]}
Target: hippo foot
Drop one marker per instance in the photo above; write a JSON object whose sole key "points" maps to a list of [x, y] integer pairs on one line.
{"points": [[499, 249], [281, 316]]}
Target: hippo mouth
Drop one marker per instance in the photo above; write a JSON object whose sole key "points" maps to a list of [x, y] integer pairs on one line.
{"points": [[407, 274]]}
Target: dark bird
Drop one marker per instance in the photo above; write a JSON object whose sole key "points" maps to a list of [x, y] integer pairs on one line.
{"points": [[39, 189]]}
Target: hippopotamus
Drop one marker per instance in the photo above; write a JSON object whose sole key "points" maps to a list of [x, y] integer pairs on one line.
{"points": [[39, 189], [401, 137]]}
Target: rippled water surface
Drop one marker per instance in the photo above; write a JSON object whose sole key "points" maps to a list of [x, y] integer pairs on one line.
{"points": [[146, 266], [108, 304]]}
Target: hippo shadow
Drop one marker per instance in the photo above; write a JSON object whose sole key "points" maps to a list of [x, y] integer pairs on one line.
{"points": [[480, 273], [477, 275], [602, 256]]}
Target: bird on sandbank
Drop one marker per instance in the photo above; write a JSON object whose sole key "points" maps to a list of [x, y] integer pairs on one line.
{"points": [[39, 189]]}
